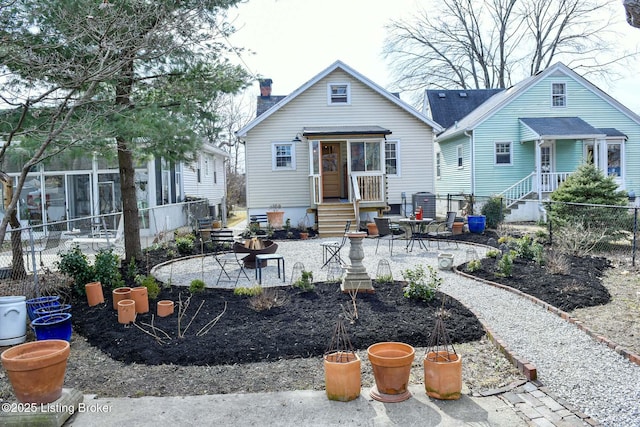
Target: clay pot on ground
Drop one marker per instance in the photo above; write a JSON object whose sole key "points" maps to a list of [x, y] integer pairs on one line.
{"points": [[304, 235], [55, 326], [140, 296], [276, 219], [443, 375], [94, 293], [126, 311], [342, 376], [36, 370], [391, 363], [165, 308], [372, 229], [457, 227], [118, 294]]}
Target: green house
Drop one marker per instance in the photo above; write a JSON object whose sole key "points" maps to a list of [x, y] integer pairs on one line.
{"points": [[521, 143]]}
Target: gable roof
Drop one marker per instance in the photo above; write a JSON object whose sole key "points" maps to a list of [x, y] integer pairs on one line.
{"points": [[353, 73], [561, 127], [502, 99], [449, 106]]}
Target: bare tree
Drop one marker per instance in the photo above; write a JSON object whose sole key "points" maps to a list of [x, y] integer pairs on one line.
{"points": [[475, 45]]}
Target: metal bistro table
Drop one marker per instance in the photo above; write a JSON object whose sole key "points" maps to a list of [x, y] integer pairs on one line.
{"points": [[415, 226]]}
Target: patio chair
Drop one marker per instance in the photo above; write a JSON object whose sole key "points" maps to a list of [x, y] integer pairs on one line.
{"points": [[443, 228], [104, 239], [228, 259], [387, 232], [331, 249]]}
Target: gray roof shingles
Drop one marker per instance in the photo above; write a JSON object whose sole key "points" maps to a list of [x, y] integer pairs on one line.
{"points": [[449, 106]]}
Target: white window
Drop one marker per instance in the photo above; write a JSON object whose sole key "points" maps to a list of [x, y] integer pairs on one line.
{"points": [[339, 94], [284, 156], [460, 155], [614, 156], [206, 166], [558, 95], [503, 153], [438, 162], [391, 157]]}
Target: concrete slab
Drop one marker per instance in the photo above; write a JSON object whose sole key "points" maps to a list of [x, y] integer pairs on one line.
{"points": [[294, 409], [52, 414]]}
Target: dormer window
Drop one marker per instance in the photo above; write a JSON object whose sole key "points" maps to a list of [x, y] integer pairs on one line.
{"points": [[339, 94], [558, 95]]}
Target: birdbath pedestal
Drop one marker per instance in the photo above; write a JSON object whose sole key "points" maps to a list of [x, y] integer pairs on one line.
{"points": [[356, 278]]}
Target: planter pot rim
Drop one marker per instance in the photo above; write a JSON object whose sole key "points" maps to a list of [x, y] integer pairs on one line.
{"points": [[50, 319], [431, 357], [401, 353], [52, 309], [23, 356], [353, 357], [126, 302]]}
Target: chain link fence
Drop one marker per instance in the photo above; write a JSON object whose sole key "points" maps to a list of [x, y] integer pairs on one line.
{"points": [[28, 256]]}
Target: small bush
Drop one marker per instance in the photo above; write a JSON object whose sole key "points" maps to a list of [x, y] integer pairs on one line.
{"points": [[184, 245], [75, 265], [493, 253], [196, 286], [505, 265], [474, 265], [493, 210], [266, 300], [558, 263], [149, 282], [422, 285], [384, 279], [107, 269], [305, 282], [244, 291]]}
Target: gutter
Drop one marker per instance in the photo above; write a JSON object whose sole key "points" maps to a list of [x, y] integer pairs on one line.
{"points": [[472, 156]]}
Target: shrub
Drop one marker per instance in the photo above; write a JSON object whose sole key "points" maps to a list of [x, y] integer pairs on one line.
{"points": [[384, 278], [305, 282], [527, 249], [267, 299], [107, 269], [184, 245], [75, 265], [422, 285], [149, 282], [196, 286], [493, 210], [474, 265], [558, 263], [505, 265], [493, 253], [244, 291]]}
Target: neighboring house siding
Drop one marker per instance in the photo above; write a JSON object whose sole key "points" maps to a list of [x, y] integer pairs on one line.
{"points": [[213, 191], [455, 180], [291, 188]]}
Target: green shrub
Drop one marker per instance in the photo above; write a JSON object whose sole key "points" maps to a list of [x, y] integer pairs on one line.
{"points": [[244, 291], [184, 245], [527, 248], [384, 278], [305, 282], [422, 284], [107, 269], [149, 282], [505, 265], [493, 210], [75, 265], [474, 265], [493, 253], [196, 286]]}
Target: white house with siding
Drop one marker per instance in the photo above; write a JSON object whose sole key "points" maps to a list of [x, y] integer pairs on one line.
{"points": [[338, 147], [523, 142], [205, 177]]}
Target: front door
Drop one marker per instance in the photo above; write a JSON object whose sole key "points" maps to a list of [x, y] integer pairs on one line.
{"points": [[546, 166], [331, 170]]}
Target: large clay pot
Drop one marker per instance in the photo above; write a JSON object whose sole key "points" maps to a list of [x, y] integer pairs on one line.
{"points": [[165, 308], [13, 320], [391, 363], [443, 375], [275, 219], [55, 326], [342, 376], [118, 294], [94, 293], [140, 295], [372, 229], [36, 370], [126, 311]]}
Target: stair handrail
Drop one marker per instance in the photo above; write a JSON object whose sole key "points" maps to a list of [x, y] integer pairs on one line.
{"points": [[519, 190], [355, 191]]}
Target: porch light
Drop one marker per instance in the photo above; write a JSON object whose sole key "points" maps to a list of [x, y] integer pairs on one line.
{"points": [[298, 138]]}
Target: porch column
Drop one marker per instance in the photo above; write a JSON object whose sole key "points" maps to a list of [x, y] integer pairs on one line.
{"points": [[95, 188], [539, 169], [601, 162]]}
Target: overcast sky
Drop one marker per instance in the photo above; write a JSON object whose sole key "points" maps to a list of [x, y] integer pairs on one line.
{"points": [[293, 40]]}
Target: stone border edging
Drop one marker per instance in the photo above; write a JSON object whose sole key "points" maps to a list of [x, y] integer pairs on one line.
{"points": [[627, 354]]}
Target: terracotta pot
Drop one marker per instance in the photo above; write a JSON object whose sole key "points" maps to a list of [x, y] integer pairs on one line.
{"points": [[456, 228], [94, 293], [304, 236], [126, 311], [118, 294], [342, 376], [140, 296], [276, 219], [36, 370], [443, 375], [372, 228], [165, 308], [391, 363]]}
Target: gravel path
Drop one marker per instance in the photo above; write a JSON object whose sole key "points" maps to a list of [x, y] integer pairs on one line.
{"points": [[589, 375]]}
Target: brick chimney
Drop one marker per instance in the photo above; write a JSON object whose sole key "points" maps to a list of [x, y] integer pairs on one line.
{"points": [[265, 88]]}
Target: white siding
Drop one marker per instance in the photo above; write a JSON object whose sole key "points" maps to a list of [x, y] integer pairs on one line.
{"points": [[213, 192]]}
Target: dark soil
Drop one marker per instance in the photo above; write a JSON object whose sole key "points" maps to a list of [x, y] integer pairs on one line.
{"points": [[303, 326]]}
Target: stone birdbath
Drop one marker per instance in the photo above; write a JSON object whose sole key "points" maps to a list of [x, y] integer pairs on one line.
{"points": [[357, 279]]}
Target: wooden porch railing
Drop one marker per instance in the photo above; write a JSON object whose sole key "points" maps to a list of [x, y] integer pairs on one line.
{"points": [[371, 187]]}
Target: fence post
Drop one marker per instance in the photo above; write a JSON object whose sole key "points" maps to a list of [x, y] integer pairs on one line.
{"points": [[635, 236], [33, 262]]}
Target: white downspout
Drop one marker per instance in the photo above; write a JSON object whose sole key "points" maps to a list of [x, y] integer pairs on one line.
{"points": [[472, 151]]}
